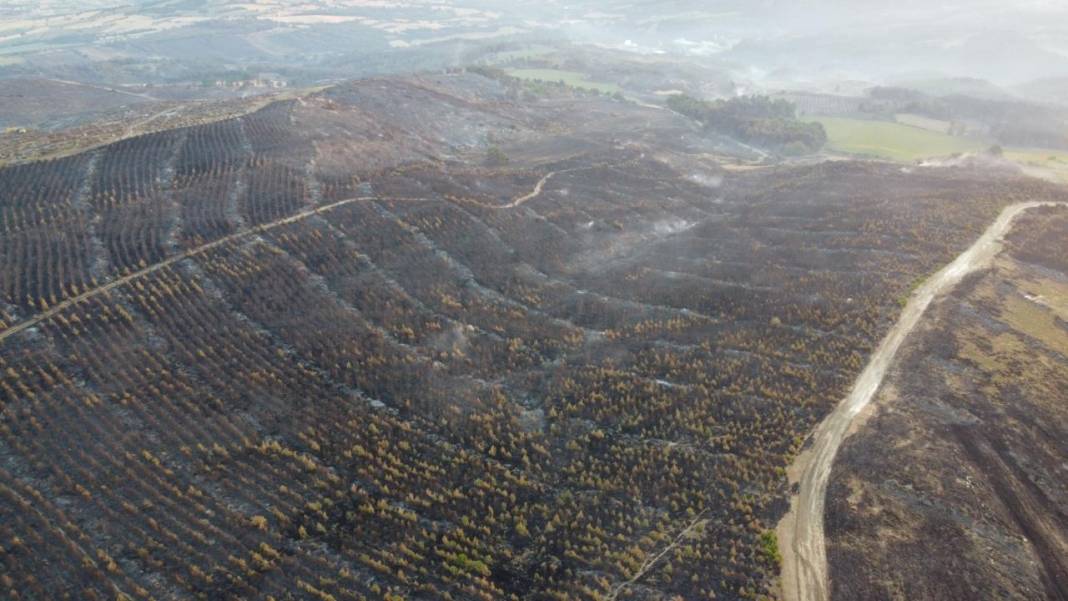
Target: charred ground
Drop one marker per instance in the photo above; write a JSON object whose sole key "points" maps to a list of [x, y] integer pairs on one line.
{"points": [[339, 360], [954, 489]]}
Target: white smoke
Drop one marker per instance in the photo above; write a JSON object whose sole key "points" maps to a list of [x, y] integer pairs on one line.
{"points": [[709, 181], [672, 226]]}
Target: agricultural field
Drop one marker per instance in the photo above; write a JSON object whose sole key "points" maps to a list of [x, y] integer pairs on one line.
{"points": [[915, 138], [964, 458], [571, 78], [322, 350], [935, 125], [1041, 162], [894, 141]]}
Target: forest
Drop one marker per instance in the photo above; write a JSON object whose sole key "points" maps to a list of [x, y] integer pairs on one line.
{"points": [[759, 120]]}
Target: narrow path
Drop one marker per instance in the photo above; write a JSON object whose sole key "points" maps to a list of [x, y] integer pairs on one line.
{"points": [[652, 560], [134, 126], [538, 187], [801, 536], [532, 195], [192, 252]]}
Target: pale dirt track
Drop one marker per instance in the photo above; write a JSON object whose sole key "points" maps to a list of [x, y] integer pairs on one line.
{"points": [[536, 192], [801, 536], [532, 195], [540, 186], [104, 89]]}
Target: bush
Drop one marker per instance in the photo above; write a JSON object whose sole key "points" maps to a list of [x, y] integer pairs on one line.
{"points": [[495, 157], [769, 546]]}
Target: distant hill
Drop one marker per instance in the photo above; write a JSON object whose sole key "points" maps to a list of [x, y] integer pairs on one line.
{"points": [[1053, 90], [962, 86]]}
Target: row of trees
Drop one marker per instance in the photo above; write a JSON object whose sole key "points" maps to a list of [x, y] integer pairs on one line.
{"points": [[45, 231]]}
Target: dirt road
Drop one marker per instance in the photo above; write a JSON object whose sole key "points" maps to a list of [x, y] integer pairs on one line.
{"points": [[804, 574]]}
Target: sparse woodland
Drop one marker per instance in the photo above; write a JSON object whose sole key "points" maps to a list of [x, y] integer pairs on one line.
{"points": [[419, 395]]}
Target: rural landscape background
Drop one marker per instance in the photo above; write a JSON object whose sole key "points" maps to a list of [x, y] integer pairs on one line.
{"points": [[603, 300]]}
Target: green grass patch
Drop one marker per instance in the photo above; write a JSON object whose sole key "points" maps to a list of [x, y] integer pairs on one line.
{"points": [[1036, 321], [769, 546], [893, 141], [1038, 156], [571, 78], [1043, 162]]}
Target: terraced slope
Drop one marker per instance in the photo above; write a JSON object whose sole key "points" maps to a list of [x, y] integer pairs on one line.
{"points": [[321, 352]]}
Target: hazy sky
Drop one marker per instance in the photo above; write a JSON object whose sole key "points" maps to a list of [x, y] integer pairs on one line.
{"points": [[1004, 41]]}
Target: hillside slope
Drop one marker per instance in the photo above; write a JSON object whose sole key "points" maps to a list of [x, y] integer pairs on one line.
{"points": [[321, 351], [955, 488]]}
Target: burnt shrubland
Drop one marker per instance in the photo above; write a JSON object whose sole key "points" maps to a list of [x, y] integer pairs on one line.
{"points": [[962, 458], [580, 375]]}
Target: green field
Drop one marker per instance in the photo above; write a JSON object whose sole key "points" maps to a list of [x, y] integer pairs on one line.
{"points": [[907, 143], [571, 78], [1041, 162], [893, 141], [922, 122]]}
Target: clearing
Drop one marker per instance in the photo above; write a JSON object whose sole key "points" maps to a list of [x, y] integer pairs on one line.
{"points": [[893, 141]]}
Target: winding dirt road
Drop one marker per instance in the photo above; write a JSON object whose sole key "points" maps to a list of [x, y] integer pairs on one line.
{"points": [[533, 194], [536, 192], [801, 537]]}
